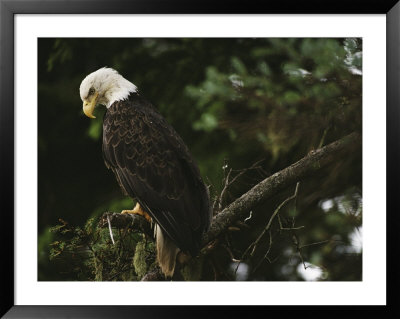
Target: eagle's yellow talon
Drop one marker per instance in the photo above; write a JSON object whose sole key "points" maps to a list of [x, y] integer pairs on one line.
{"points": [[138, 211], [127, 211]]}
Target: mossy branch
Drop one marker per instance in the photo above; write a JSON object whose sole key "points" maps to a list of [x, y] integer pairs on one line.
{"points": [[118, 220]]}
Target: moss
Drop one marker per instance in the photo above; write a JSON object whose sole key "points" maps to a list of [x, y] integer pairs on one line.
{"points": [[98, 265], [192, 271], [139, 259]]}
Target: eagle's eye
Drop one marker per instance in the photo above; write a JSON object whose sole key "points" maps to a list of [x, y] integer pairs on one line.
{"points": [[91, 91]]}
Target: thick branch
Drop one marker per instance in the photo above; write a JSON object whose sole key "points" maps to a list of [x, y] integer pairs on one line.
{"points": [[240, 208], [308, 165], [118, 220]]}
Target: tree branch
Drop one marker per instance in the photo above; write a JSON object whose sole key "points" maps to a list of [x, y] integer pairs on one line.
{"points": [[118, 220], [239, 209], [308, 165]]}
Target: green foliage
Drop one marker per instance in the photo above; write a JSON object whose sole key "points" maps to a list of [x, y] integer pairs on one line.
{"points": [[95, 129], [90, 254], [233, 101], [308, 90], [61, 53]]}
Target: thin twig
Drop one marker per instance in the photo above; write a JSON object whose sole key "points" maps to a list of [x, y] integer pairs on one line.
{"points": [[272, 218], [323, 138], [248, 218], [267, 228], [110, 230], [230, 254], [242, 171], [317, 243], [266, 254], [292, 228], [298, 249], [226, 184]]}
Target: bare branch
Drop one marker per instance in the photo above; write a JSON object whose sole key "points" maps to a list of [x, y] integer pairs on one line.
{"points": [[308, 165], [226, 184], [268, 228], [266, 254], [272, 218]]}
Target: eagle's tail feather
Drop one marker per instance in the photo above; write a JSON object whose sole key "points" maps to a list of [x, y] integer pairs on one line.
{"points": [[166, 252]]}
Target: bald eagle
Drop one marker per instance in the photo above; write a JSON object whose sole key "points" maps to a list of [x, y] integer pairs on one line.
{"points": [[152, 165]]}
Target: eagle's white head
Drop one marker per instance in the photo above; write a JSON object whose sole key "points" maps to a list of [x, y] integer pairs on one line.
{"points": [[104, 86]]}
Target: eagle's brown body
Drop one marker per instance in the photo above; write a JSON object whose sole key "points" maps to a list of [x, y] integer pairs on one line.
{"points": [[153, 165]]}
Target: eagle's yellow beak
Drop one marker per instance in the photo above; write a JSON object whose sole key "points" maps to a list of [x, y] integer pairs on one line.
{"points": [[89, 105]]}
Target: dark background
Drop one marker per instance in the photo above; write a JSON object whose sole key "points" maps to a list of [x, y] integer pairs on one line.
{"points": [[234, 102]]}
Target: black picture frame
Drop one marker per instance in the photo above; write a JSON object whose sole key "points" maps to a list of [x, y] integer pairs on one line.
{"points": [[8, 10]]}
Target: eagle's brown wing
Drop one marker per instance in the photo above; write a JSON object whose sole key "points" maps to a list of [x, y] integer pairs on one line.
{"points": [[153, 165]]}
